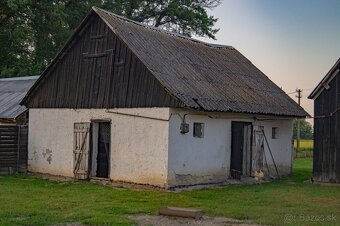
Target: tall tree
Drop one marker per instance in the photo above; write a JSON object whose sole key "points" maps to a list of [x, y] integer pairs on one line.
{"points": [[31, 32], [305, 128], [16, 38], [181, 16]]}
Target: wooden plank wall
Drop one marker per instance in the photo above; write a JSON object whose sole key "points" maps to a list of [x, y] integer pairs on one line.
{"points": [[326, 162], [99, 71], [13, 149]]}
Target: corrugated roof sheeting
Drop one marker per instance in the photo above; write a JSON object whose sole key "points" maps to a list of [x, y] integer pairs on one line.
{"points": [[202, 76], [12, 91]]}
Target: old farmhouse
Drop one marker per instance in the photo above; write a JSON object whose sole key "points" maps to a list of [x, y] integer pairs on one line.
{"points": [[326, 163], [134, 103]]}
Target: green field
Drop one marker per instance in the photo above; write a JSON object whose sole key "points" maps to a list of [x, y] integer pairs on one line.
{"points": [[306, 148], [25, 200], [305, 144]]}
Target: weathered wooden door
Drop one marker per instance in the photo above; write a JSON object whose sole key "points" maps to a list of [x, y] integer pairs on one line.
{"points": [[258, 149], [240, 163], [81, 150]]}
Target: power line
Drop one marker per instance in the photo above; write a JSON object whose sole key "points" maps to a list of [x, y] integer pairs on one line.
{"points": [[291, 93], [297, 91]]}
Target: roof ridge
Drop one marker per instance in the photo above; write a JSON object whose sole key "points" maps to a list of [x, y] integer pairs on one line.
{"points": [[218, 46]]}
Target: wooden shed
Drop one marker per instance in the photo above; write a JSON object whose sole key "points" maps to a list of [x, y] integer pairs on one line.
{"points": [[12, 91], [131, 102], [326, 96], [13, 124]]}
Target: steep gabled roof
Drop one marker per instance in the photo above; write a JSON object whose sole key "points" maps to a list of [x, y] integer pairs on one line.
{"points": [[326, 80], [202, 76], [12, 90]]}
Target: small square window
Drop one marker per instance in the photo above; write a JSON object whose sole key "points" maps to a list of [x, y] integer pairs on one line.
{"points": [[275, 131], [198, 129]]}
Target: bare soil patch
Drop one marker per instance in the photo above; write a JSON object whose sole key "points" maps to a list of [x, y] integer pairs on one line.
{"points": [[146, 220]]}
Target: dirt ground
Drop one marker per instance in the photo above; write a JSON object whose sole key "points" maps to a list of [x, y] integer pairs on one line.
{"points": [[146, 220], [134, 186], [106, 182]]}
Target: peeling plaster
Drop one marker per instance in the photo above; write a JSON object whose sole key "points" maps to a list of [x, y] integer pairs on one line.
{"points": [[47, 154]]}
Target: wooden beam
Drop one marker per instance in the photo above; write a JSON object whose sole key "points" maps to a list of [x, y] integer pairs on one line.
{"points": [[181, 212], [97, 37], [87, 55]]}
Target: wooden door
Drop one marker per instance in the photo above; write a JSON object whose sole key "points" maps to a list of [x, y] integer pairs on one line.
{"points": [[81, 150], [258, 150], [104, 137], [240, 149]]}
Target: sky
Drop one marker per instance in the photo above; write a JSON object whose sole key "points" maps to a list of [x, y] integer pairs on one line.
{"points": [[294, 42]]}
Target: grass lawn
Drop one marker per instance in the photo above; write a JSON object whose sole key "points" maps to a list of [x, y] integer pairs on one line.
{"points": [[29, 201]]}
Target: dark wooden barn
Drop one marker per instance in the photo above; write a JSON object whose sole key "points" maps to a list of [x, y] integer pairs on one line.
{"points": [[326, 96]]}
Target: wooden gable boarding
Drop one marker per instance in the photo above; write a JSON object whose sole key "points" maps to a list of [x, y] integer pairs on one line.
{"points": [[96, 69]]}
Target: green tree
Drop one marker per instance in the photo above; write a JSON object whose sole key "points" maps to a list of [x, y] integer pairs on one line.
{"points": [[305, 128], [180, 16], [32, 32], [16, 38]]}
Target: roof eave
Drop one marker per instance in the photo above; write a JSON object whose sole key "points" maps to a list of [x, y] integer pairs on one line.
{"points": [[323, 84], [302, 115], [7, 120]]}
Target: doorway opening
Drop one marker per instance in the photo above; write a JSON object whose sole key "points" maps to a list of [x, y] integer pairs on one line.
{"points": [[241, 149], [100, 149]]}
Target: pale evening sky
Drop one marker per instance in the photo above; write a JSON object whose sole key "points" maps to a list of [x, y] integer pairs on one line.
{"points": [[294, 42]]}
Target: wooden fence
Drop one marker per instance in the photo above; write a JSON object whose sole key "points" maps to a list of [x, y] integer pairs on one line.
{"points": [[13, 149]]}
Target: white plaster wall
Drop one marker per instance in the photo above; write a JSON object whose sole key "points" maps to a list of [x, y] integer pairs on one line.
{"points": [[207, 160], [198, 160], [138, 145], [282, 147]]}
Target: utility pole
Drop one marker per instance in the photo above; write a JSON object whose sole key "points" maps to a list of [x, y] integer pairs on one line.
{"points": [[299, 96]]}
